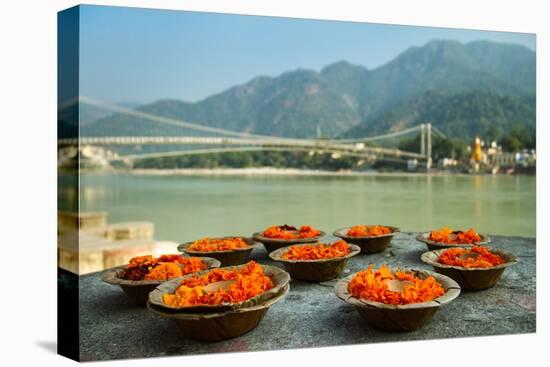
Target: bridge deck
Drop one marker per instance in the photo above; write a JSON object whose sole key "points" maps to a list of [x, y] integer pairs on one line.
{"points": [[311, 315], [288, 143]]}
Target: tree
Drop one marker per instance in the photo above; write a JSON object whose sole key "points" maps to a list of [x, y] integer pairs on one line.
{"points": [[511, 143], [449, 148], [492, 133], [519, 137]]}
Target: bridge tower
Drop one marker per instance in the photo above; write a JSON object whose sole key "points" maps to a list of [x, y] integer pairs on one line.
{"points": [[423, 139], [428, 146]]}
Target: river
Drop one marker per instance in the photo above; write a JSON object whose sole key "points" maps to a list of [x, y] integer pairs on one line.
{"points": [[185, 208]]}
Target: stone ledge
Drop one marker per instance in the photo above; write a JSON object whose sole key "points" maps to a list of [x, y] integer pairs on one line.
{"points": [[311, 315]]}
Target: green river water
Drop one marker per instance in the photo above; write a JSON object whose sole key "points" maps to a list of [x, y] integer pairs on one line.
{"points": [[185, 208]]}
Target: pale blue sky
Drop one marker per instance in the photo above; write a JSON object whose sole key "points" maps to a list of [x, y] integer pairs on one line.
{"points": [[142, 55]]}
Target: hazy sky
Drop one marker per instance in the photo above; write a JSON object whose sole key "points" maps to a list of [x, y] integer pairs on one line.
{"points": [[142, 55]]}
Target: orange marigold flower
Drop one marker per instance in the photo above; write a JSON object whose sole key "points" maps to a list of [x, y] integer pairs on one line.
{"points": [[317, 251], [217, 244], [372, 285], [141, 260], [447, 235], [286, 232], [173, 258], [164, 271], [483, 258], [368, 231], [248, 281], [470, 236], [161, 268]]}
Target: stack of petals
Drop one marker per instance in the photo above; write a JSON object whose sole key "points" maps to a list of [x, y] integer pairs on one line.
{"points": [[317, 251], [249, 281], [285, 232], [218, 244], [485, 258], [368, 231], [161, 268], [164, 271], [372, 285], [445, 235]]}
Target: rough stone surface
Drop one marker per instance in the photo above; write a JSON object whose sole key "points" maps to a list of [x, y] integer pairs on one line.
{"points": [[311, 315]]}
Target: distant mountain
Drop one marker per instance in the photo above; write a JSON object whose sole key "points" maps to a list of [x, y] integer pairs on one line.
{"points": [[293, 104], [453, 67], [344, 99], [461, 114]]}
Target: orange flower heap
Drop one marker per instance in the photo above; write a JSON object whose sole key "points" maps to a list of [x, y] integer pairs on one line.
{"points": [[190, 265], [372, 285], [248, 281], [484, 258], [368, 231], [217, 244], [161, 268], [138, 267], [286, 232], [446, 235], [177, 259], [318, 251], [163, 271]]}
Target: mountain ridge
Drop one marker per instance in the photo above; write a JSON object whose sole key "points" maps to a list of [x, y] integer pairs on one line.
{"points": [[342, 96]]}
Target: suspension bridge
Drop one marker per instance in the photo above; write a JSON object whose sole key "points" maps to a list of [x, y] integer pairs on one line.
{"points": [[234, 141]]}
